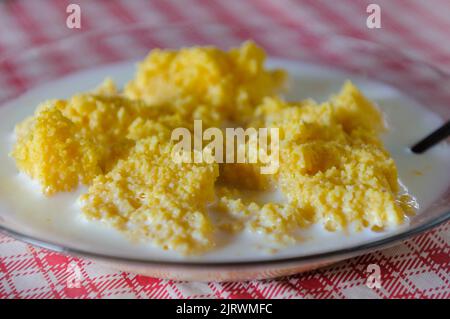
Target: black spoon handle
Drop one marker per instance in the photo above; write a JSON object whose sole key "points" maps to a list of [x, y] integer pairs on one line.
{"points": [[435, 137]]}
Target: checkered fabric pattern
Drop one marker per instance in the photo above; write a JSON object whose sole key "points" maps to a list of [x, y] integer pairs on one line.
{"points": [[418, 268]]}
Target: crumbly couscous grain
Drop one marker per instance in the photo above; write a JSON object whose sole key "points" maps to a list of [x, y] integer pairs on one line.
{"points": [[51, 150], [149, 196], [206, 82], [333, 168]]}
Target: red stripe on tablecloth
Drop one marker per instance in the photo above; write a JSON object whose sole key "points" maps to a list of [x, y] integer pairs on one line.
{"points": [[100, 48], [279, 15], [119, 11], [339, 22], [243, 29], [176, 16], [26, 22]]}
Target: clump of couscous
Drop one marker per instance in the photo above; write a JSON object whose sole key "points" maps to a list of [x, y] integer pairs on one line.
{"points": [[151, 196], [52, 150], [207, 83], [333, 168]]}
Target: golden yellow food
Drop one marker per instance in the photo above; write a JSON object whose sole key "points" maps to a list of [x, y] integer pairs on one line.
{"points": [[205, 82], [51, 150], [333, 168], [151, 197], [110, 121]]}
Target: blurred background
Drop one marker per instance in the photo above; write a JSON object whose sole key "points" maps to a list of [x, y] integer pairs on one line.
{"points": [[418, 28]]}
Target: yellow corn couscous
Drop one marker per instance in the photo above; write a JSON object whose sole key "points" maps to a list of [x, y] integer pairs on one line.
{"points": [[333, 168]]}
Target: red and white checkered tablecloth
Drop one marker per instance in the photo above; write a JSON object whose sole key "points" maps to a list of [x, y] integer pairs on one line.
{"points": [[418, 268]]}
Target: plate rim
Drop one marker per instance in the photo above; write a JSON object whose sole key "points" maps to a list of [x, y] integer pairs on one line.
{"points": [[336, 254]]}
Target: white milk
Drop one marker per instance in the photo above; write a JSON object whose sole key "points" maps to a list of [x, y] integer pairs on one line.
{"points": [[58, 219]]}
